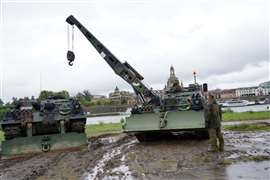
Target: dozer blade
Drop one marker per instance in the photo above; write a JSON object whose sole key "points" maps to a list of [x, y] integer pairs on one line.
{"points": [[45, 143]]}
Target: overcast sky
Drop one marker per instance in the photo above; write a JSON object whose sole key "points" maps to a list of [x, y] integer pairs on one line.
{"points": [[225, 41]]}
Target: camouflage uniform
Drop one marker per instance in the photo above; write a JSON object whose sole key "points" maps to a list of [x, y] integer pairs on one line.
{"points": [[213, 119]]}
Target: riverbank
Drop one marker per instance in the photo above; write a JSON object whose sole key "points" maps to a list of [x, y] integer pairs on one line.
{"points": [[103, 128], [242, 116], [248, 127]]}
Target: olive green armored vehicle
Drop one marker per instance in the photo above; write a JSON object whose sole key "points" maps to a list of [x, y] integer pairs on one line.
{"points": [[52, 124], [178, 108]]}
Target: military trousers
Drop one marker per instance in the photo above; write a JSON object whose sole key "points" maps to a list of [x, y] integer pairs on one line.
{"points": [[216, 139]]}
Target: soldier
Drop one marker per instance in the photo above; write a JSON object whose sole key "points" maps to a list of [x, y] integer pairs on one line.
{"points": [[213, 119]]}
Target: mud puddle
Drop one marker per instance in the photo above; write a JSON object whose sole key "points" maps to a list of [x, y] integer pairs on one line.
{"points": [[249, 145], [249, 170], [242, 171]]}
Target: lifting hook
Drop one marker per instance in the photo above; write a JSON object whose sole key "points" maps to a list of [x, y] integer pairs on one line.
{"points": [[70, 53], [70, 57]]}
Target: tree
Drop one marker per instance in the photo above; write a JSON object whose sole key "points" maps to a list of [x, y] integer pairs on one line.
{"points": [[87, 95], [26, 98], [85, 98], [46, 94], [1, 103], [14, 101], [79, 96], [63, 94]]}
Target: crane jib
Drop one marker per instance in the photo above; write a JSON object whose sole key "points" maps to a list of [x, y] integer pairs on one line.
{"points": [[124, 70]]}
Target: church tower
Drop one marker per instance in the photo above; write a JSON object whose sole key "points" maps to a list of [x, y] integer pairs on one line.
{"points": [[172, 80], [172, 73]]}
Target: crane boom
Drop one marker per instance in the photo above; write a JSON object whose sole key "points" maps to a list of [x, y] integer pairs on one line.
{"points": [[124, 70]]}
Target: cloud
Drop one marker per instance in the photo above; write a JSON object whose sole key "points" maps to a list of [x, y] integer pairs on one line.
{"points": [[226, 42]]}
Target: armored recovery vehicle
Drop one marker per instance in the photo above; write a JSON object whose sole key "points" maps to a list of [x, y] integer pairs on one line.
{"points": [[51, 124], [179, 108]]}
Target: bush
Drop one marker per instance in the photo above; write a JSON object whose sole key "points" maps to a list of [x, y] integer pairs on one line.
{"points": [[3, 111]]}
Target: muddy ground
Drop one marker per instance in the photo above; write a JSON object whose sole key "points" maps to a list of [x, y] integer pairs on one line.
{"points": [[121, 156]]}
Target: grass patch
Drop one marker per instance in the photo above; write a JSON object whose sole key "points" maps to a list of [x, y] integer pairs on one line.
{"points": [[241, 116], [248, 127], [102, 128]]}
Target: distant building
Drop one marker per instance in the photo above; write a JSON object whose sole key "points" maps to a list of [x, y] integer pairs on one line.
{"points": [[228, 94], [98, 97], [262, 90], [216, 93], [173, 82], [246, 91], [122, 97]]}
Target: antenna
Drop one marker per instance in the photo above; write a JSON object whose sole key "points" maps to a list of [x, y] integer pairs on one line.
{"points": [[194, 74]]}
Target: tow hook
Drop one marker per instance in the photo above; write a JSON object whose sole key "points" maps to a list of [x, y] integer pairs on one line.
{"points": [[45, 145]]}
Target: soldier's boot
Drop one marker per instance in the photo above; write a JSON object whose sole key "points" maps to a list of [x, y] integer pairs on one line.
{"points": [[221, 144], [213, 147], [220, 140]]}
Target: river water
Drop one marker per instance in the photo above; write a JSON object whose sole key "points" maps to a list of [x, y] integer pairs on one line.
{"points": [[105, 119], [117, 118], [263, 107]]}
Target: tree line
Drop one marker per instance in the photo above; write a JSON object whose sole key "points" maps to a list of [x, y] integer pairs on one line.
{"points": [[85, 98]]}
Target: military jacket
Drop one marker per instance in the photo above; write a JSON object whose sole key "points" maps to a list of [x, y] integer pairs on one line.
{"points": [[213, 115]]}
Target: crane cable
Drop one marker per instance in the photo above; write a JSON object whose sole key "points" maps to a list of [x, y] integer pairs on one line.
{"points": [[72, 39]]}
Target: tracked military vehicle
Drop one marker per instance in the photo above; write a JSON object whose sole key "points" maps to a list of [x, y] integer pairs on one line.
{"points": [[52, 124], [177, 109]]}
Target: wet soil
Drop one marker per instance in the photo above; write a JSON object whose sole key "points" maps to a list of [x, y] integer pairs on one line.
{"points": [[121, 156]]}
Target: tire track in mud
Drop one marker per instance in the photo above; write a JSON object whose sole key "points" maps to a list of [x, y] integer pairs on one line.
{"points": [[78, 164], [109, 156], [30, 167], [6, 163], [65, 167]]}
